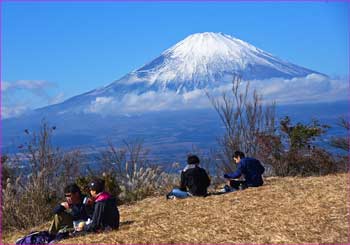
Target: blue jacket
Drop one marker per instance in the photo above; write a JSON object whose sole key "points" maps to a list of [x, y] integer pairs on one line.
{"points": [[252, 171]]}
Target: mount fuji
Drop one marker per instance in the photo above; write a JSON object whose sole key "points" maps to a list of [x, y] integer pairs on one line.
{"points": [[164, 102], [202, 61]]}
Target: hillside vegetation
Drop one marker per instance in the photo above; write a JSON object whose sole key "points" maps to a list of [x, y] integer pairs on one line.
{"points": [[284, 210]]}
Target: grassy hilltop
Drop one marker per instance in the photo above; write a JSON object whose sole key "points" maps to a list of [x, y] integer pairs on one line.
{"points": [[284, 210]]}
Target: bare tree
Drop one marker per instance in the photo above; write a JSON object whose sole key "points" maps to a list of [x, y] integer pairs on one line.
{"points": [[245, 120]]}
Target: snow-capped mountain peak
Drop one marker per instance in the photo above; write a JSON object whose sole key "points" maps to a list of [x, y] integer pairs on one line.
{"points": [[205, 59], [201, 61], [208, 45]]}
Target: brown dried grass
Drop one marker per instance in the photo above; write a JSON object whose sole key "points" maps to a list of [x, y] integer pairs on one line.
{"points": [[285, 210]]}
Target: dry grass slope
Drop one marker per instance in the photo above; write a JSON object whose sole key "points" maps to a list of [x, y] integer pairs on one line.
{"points": [[285, 210]]}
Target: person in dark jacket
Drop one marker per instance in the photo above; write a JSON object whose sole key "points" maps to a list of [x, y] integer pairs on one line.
{"points": [[106, 214], [250, 168], [75, 209], [194, 180]]}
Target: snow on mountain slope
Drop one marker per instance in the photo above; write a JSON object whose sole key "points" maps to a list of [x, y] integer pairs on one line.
{"points": [[205, 54], [201, 61], [206, 60]]}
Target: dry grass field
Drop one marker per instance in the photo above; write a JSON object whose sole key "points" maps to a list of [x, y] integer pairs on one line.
{"points": [[284, 210]]}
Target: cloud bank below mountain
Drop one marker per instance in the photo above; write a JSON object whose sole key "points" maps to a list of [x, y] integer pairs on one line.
{"points": [[313, 88]]}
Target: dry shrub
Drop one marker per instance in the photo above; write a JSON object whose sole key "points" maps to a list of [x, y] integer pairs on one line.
{"points": [[6, 172], [129, 174], [316, 162], [28, 199], [245, 120]]}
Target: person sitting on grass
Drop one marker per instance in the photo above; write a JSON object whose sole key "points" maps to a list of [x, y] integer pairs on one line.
{"points": [[250, 168], [194, 180], [106, 214], [75, 209]]}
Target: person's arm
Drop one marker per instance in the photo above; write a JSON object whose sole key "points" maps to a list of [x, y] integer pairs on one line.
{"points": [[207, 179], [96, 218], [183, 183], [261, 168], [78, 211], [60, 208], [236, 174]]}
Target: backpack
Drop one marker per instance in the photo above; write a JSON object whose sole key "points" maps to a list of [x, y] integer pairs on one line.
{"points": [[36, 237]]}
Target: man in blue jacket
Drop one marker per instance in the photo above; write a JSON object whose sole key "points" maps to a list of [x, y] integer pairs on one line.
{"points": [[250, 168]]}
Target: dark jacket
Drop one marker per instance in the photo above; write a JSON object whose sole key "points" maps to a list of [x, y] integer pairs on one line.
{"points": [[105, 214], [252, 171], [78, 211], [195, 179]]}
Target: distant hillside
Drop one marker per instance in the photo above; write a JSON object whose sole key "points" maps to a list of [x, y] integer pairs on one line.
{"points": [[285, 210], [169, 136]]}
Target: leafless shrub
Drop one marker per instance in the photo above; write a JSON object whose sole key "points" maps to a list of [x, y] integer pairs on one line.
{"points": [[6, 172], [131, 170], [28, 199], [245, 120]]}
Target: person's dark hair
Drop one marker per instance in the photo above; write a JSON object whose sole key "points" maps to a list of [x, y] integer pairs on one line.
{"points": [[97, 185], [192, 159], [238, 154], [72, 188]]}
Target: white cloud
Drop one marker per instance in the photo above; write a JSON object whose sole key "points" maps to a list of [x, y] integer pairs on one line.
{"points": [[310, 89], [14, 111], [23, 95], [150, 101], [102, 105], [34, 86]]}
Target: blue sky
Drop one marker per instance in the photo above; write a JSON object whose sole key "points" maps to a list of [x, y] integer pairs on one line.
{"points": [[54, 50]]}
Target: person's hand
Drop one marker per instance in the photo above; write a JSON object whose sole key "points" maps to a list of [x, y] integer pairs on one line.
{"points": [[80, 226], [65, 205], [90, 201], [78, 229]]}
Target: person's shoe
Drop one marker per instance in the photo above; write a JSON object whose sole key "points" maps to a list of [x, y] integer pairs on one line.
{"points": [[227, 188], [170, 197], [224, 189]]}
